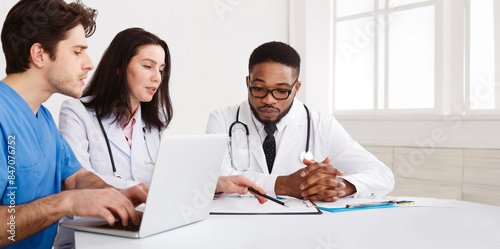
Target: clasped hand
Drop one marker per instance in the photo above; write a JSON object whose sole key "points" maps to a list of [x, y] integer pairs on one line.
{"points": [[317, 181]]}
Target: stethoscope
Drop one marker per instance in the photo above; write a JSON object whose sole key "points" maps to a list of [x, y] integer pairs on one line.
{"points": [[109, 147], [306, 154]]}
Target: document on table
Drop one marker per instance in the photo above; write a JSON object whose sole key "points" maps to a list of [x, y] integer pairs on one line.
{"points": [[244, 205]]}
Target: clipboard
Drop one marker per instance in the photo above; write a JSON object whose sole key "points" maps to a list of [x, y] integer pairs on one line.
{"points": [[248, 205], [353, 204]]}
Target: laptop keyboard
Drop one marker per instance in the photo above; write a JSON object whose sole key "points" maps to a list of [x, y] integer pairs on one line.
{"points": [[118, 226]]}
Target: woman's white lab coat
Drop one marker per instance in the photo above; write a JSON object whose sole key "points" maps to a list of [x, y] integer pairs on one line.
{"points": [[80, 127]]}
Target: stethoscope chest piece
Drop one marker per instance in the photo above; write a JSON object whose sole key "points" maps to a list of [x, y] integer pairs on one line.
{"points": [[306, 155]]}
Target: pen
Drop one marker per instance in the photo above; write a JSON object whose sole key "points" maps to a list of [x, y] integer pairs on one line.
{"points": [[381, 203], [266, 196], [405, 202]]}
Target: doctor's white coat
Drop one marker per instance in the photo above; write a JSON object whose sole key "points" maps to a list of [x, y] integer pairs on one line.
{"points": [[328, 139], [81, 129]]}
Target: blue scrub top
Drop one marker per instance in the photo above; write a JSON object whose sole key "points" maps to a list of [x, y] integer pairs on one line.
{"points": [[34, 158]]}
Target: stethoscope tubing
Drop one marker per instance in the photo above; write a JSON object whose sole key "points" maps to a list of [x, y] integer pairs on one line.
{"points": [[110, 152], [308, 128], [107, 144], [248, 133]]}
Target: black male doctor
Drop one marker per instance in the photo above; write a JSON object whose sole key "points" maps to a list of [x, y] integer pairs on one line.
{"points": [[291, 150]]}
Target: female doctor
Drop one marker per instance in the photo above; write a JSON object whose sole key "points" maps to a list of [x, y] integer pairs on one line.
{"points": [[124, 112], [129, 96]]}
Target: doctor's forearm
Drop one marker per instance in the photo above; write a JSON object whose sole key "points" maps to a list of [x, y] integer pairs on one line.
{"points": [[283, 186]]}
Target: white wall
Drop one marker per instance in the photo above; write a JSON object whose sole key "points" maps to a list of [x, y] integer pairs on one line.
{"points": [[210, 43], [311, 36]]}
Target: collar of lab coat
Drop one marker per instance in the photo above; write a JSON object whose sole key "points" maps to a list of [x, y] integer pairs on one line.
{"points": [[290, 133], [117, 137]]}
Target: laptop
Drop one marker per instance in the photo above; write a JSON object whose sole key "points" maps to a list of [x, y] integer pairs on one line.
{"points": [[181, 190]]}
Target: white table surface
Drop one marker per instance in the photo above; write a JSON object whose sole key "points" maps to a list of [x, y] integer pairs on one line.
{"points": [[468, 226]]}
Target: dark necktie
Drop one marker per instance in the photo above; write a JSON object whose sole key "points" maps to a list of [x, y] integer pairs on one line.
{"points": [[269, 146]]}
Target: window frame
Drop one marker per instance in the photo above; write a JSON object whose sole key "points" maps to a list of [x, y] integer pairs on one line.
{"points": [[377, 111], [310, 33], [450, 99]]}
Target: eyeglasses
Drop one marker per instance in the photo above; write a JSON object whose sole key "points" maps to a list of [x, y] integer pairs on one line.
{"points": [[278, 94]]}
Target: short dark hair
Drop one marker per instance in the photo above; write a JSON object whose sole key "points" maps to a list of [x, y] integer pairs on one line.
{"points": [[278, 52], [108, 89], [41, 21]]}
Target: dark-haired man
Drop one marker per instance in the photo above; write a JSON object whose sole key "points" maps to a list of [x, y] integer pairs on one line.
{"points": [[45, 46], [282, 131]]}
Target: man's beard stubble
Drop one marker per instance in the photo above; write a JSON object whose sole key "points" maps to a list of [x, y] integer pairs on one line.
{"points": [[268, 122]]}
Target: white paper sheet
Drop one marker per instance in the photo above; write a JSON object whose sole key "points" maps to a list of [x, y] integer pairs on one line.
{"points": [[249, 205]]}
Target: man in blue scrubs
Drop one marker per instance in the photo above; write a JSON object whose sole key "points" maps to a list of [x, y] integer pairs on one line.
{"points": [[45, 45]]}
